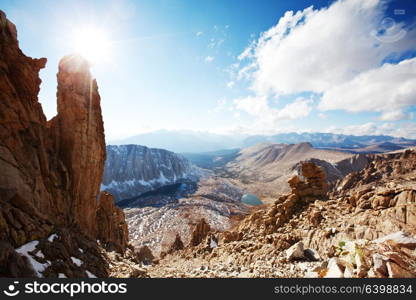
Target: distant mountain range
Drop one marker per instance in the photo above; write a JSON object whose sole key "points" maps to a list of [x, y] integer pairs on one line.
{"points": [[183, 141], [198, 142]]}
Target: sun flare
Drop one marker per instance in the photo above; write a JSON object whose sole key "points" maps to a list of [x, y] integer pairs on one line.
{"points": [[92, 43]]}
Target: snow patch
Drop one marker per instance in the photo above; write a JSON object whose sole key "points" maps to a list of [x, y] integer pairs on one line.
{"points": [[52, 237], [36, 266], [90, 275], [62, 275], [76, 261], [40, 254], [213, 243], [400, 237]]}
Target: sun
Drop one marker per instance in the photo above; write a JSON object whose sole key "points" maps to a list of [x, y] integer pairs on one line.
{"points": [[92, 43]]}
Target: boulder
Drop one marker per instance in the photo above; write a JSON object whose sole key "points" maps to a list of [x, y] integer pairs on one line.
{"points": [[295, 252], [311, 255], [334, 269], [145, 255]]}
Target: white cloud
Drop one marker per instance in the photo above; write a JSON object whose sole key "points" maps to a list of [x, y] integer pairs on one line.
{"points": [[298, 109], [395, 115], [406, 129], [255, 106], [387, 89], [215, 43], [199, 33], [230, 84], [221, 105], [322, 115], [338, 52], [259, 107], [369, 128], [209, 59], [311, 50]]}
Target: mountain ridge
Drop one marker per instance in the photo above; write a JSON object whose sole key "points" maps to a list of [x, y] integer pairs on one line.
{"points": [[192, 142]]}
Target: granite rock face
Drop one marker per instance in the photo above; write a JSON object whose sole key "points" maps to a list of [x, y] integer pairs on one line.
{"points": [[50, 171], [131, 170]]}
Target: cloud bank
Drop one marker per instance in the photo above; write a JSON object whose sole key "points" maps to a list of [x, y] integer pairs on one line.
{"points": [[349, 54]]}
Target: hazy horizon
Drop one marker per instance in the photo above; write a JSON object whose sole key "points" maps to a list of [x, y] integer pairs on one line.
{"points": [[252, 67]]}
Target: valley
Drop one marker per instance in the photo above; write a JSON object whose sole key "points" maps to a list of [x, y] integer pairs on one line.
{"points": [[233, 185]]}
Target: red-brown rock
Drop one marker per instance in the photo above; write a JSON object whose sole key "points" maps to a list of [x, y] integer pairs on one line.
{"points": [[51, 171]]}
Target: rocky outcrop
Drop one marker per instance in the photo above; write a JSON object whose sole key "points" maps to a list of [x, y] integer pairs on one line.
{"points": [[131, 170], [112, 226], [199, 233], [309, 185], [78, 134], [145, 255], [26, 200], [51, 171], [176, 245]]}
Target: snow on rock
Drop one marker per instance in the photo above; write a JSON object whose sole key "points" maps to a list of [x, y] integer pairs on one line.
{"points": [[213, 243], [401, 238], [40, 254], [90, 275], [52, 237], [36, 266], [62, 275], [76, 261]]}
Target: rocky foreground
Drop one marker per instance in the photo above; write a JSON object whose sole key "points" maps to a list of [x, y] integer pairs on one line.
{"points": [[364, 226]]}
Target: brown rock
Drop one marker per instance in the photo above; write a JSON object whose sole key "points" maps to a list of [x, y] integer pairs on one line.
{"points": [[145, 255], [380, 267], [79, 134], [176, 245], [315, 217], [51, 171], [200, 232], [395, 271], [112, 228]]}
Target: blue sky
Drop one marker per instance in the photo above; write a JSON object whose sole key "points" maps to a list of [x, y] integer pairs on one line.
{"points": [[177, 64]]}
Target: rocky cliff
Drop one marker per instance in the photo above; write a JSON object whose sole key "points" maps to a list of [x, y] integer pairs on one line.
{"points": [[51, 171], [131, 170]]}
